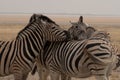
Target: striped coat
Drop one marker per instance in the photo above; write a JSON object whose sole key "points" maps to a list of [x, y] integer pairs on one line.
{"points": [[18, 56]]}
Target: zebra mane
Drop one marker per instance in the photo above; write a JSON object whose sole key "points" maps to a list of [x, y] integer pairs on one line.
{"points": [[45, 18], [22, 30], [34, 18], [100, 35]]}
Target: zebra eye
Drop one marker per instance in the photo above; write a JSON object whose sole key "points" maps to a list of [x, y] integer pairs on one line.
{"points": [[76, 26]]}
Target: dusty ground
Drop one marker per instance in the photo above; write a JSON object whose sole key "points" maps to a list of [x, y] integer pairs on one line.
{"points": [[10, 25]]}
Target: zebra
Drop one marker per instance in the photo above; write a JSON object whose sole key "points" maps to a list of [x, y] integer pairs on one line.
{"points": [[18, 56], [78, 31], [93, 56], [78, 28], [89, 31]]}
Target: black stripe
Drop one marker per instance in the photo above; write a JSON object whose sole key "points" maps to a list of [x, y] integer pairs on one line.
{"points": [[10, 46], [103, 47], [34, 38], [14, 52], [81, 53], [25, 52], [22, 57], [72, 56], [91, 63], [78, 60], [85, 61], [101, 54], [30, 48], [3, 50], [92, 45], [67, 56], [1, 44]]}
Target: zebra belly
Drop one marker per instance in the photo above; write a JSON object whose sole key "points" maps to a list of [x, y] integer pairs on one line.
{"points": [[83, 72]]}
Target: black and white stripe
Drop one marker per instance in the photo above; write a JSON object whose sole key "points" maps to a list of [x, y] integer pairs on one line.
{"points": [[94, 38], [93, 56], [79, 31], [18, 56]]}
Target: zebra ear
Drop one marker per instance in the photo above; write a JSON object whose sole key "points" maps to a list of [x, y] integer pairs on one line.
{"points": [[32, 18], [80, 19]]}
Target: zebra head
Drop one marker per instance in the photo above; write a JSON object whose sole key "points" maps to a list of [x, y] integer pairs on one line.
{"points": [[50, 30], [78, 29]]}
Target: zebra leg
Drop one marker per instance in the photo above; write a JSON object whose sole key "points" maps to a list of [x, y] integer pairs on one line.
{"points": [[65, 77], [103, 74], [25, 76], [17, 76], [109, 71], [42, 72], [18, 72], [54, 75], [69, 78], [20, 76], [101, 77]]}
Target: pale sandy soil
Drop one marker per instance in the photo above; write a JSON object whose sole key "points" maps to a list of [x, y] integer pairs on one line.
{"points": [[10, 25]]}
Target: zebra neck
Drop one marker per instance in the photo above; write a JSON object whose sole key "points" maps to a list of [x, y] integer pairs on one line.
{"points": [[32, 40]]}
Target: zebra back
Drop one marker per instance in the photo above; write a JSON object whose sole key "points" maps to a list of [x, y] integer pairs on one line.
{"points": [[47, 28], [102, 39], [71, 58], [68, 57]]}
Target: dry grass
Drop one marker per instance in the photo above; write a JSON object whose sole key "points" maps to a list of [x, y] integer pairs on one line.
{"points": [[11, 25]]}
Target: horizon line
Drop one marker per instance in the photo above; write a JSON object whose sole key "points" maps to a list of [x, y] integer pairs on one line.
{"points": [[84, 14]]}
